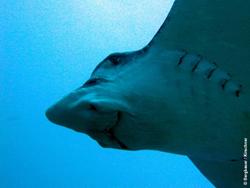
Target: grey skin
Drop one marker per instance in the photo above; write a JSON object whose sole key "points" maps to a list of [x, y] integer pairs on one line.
{"points": [[186, 92]]}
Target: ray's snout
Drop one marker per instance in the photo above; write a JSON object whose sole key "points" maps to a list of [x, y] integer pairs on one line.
{"points": [[65, 116], [55, 114], [62, 112], [65, 111], [83, 113]]}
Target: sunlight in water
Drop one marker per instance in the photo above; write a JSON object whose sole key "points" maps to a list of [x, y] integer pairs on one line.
{"points": [[120, 19]]}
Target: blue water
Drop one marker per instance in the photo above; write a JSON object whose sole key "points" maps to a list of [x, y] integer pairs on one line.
{"points": [[48, 48]]}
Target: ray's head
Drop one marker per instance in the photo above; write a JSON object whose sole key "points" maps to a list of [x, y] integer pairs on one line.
{"points": [[114, 105]]}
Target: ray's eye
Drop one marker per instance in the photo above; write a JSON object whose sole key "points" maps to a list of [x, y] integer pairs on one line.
{"points": [[90, 82], [115, 60], [92, 107]]}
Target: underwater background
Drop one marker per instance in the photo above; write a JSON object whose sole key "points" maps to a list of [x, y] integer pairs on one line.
{"points": [[47, 49]]}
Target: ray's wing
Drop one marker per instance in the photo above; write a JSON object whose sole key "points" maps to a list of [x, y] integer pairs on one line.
{"points": [[219, 30], [218, 172], [216, 29]]}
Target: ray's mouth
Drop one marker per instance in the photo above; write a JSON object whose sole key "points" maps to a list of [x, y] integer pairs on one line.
{"points": [[110, 133]]}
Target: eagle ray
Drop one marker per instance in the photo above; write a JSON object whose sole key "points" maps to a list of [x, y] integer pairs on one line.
{"points": [[186, 92]]}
